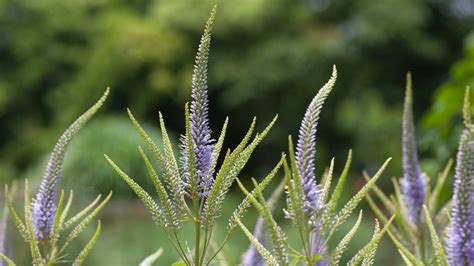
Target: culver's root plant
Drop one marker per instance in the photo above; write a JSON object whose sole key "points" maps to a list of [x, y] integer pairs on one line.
{"points": [[46, 219], [312, 208], [192, 188], [423, 232]]}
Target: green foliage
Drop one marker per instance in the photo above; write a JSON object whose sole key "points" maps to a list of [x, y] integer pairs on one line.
{"points": [[315, 230]]}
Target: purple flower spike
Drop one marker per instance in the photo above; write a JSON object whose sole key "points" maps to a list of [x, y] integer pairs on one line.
{"points": [[200, 131], [44, 205], [460, 238], [412, 184], [306, 149]]}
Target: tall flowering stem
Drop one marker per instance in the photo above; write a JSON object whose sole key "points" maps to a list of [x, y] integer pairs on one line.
{"points": [[412, 184], [199, 113], [460, 239], [306, 149], [305, 199], [44, 205]]}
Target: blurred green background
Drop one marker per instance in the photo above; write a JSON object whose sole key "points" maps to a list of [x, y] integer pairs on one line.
{"points": [[267, 57]]}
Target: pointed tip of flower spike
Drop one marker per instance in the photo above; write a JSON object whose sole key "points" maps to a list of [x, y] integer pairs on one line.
{"points": [[467, 108], [412, 183]]}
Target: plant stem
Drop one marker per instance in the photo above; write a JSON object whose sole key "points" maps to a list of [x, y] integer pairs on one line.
{"points": [[197, 227]]}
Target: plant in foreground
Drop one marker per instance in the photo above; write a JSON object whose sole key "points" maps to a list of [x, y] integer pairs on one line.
{"points": [[460, 235], [415, 204], [193, 188], [419, 238], [46, 219], [310, 207]]}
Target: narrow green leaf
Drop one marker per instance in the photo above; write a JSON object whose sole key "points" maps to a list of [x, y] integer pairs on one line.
{"points": [[327, 182], [20, 226], [173, 182], [227, 175], [149, 260], [371, 246], [434, 199], [73, 220], [405, 226], [65, 212], [245, 204], [191, 171], [35, 252], [342, 246], [404, 251], [266, 255], [354, 201], [7, 260], [85, 251], [147, 200], [277, 235], [57, 220], [388, 204], [172, 168], [332, 204], [170, 213], [83, 224], [438, 247], [218, 146], [369, 258]]}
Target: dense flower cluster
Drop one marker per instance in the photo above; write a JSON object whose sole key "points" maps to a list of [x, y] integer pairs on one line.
{"points": [[460, 239], [412, 184]]}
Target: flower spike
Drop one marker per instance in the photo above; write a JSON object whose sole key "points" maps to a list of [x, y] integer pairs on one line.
{"points": [[412, 184], [306, 147], [44, 206], [460, 238], [200, 131]]}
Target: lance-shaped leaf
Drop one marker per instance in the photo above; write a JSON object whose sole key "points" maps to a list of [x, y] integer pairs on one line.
{"points": [[438, 246], [76, 218], [7, 260], [434, 198], [327, 183], [251, 256], [245, 204], [83, 224], [354, 201], [85, 251], [342, 246], [20, 226], [369, 258], [173, 181], [150, 204], [266, 255], [369, 248], [404, 252], [276, 233], [30, 234], [224, 179], [331, 206], [170, 213], [65, 212], [217, 148], [44, 208]]}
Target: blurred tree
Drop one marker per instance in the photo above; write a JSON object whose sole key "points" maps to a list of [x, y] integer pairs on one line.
{"points": [[268, 56]]}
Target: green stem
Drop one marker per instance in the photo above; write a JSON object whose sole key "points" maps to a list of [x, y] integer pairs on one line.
{"points": [[197, 227]]}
